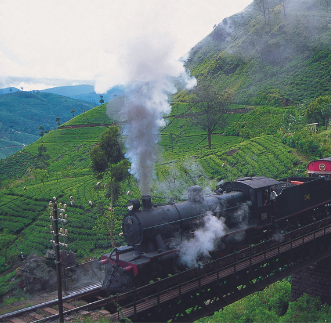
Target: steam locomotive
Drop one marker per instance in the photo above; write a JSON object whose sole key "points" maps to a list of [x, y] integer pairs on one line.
{"points": [[252, 208]]}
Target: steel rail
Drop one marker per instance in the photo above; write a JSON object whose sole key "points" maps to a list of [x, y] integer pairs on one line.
{"points": [[90, 289], [221, 272]]}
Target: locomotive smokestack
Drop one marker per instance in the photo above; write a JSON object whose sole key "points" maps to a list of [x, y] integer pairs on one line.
{"points": [[147, 202]]}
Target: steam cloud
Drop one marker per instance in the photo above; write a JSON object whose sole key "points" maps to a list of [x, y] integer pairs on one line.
{"points": [[152, 73], [203, 241], [207, 238]]}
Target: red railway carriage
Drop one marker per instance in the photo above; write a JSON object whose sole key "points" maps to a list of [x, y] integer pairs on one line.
{"points": [[320, 167]]}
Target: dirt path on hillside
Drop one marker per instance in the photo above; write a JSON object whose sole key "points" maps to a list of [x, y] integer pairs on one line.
{"points": [[87, 125], [181, 116]]}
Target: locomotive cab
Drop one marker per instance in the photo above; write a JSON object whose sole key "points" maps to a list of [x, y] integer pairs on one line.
{"points": [[258, 190]]}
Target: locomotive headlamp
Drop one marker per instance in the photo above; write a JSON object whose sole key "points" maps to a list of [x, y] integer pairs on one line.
{"points": [[133, 204]]}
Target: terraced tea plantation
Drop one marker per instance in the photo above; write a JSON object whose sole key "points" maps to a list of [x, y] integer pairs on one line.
{"points": [[58, 164]]}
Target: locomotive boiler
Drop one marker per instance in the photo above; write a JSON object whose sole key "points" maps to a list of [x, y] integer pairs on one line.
{"points": [[272, 207]]}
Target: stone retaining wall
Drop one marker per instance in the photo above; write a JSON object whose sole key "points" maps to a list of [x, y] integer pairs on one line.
{"points": [[314, 280]]}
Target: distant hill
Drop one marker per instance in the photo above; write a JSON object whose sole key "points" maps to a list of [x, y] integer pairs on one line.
{"points": [[272, 59], [86, 92], [22, 113], [8, 90]]}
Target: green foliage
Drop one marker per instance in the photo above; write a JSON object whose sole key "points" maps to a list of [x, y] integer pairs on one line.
{"points": [[319, 111], [307, 309], [287, 60], [108, 155], [209, 108], [306, 142], [101, 100], [273, 66], [10, 147], [265, 306], [109, 143], [173, 179], [261, 156], [98, 159], [23, 212], [273, 305], [40, 174], [16, 165], [5, 239], [6, 283], [120, 170], [94, 116], [23, 112], [262, 120]]}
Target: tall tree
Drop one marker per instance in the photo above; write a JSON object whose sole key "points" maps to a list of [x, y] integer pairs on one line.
{"points": [[73, 112], [108, 157], [209, 108], [319, 111], [101, 99], [42, 131], [263, 7], [41, 174]]}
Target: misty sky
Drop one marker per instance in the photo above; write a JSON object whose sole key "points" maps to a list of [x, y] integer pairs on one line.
{"points": [[66, 42]]}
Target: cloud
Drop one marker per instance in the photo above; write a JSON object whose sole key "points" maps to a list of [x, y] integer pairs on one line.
{"points": [[85, 40]]}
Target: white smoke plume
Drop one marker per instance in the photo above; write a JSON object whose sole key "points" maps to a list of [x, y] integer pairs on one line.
{"points": [[152, 72], [203, 242], [208, 237]]}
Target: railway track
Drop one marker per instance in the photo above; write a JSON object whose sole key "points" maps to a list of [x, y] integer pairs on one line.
{"points": [[217, 283], [218, 277], [49, 308]]}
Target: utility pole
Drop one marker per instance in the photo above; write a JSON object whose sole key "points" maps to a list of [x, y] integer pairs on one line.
{"points": [[56, 243]]}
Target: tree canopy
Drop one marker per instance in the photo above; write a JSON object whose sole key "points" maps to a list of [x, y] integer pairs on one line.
{"points": [[108, 158], [109, 143], [210, 108], [319, 111], [108, 152]]}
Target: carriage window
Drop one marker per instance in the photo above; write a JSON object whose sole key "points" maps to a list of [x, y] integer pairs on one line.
{"points": [[259, 198], [262, 198]]}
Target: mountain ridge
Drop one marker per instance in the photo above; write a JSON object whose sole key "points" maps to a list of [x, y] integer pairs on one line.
{"points": [[86, 92], [265, 62], [23, 113]]}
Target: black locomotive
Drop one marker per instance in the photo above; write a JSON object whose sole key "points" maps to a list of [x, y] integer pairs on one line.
{"points": [[272, 208]]}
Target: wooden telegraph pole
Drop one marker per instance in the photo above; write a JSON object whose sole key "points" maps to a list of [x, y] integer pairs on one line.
{"points": [[56, 243]]}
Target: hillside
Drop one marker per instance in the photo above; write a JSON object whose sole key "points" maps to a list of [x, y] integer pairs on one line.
{"points": [[22, 113], [63, 170], [86, 92], [8, 90], [277, 60], [58, 164]]}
